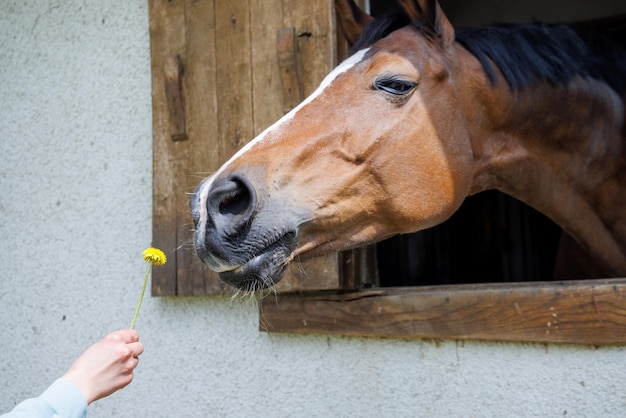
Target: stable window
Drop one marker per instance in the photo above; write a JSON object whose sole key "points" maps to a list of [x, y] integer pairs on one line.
{"points": [[222, 72]]}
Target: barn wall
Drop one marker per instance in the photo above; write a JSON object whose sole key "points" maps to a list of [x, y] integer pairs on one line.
{"points": [[75, 213]]}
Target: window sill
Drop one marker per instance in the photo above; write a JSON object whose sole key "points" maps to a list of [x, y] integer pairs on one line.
{"points": [[591, 312]]}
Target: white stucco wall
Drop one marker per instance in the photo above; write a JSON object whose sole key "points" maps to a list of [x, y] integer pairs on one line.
{"points": [[75, 214]]}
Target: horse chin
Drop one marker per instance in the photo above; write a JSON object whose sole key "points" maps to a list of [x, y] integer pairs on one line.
{"points": [[264, 269]]}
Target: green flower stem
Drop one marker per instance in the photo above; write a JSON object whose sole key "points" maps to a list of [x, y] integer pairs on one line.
{"points": [[143, 290]]}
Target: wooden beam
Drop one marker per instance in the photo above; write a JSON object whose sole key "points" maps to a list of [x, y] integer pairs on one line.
{"points": [[202, 158], [167, 39], [589, 312]]}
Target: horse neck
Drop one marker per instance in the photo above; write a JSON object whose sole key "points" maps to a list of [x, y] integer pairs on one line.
{"points": [[559, 149]]}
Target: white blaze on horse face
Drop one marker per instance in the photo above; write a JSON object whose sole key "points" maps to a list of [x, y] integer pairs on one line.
{"points": [[204, 189]]}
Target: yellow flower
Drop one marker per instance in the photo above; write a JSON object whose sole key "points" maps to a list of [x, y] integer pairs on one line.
{"points": [[154, 256]]}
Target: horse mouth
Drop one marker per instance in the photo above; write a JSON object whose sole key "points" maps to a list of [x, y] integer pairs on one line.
{"points": [[264, 269]]}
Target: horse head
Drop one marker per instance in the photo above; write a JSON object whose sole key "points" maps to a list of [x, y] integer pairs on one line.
{"points": [[359, 160]]}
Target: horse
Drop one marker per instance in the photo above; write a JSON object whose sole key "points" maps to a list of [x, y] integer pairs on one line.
{"points": [[418, 117]]}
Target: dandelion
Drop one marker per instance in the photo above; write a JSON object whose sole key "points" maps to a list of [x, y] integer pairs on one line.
{"points": [[154, 257]]}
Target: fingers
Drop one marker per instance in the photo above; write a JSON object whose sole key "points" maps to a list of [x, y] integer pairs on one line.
{"points": [[129, 339], [136, 348], [124, 335]]}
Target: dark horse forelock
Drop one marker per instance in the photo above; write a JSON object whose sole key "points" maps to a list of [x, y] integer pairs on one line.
{"points": [[529, 52]]}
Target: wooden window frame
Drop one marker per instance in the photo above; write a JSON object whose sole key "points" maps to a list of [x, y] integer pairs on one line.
{"points": [[590, 312], [335, 295]]}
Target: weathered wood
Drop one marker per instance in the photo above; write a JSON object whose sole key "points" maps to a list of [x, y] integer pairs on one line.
{"points": [[321, 273], [576, 312], [173, 74], [266, 17], [314, 30], [180, 40], [203, 159], [216, 82], [288, 65], [167, 39], [234, 76]]}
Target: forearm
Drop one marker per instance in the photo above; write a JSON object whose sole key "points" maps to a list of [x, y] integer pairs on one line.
{"points": [[62, 399]]}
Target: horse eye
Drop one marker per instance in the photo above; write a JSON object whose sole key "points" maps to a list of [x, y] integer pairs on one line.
{"points": [[394, 85]]}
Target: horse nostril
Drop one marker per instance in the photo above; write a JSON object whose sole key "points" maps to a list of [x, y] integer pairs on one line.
{"points": [[235, 203], [231, 203]]}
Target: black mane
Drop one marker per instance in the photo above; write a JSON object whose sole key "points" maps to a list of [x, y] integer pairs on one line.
{"points": [[526, 53]]}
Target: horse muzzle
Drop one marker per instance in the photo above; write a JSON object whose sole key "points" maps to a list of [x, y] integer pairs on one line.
{"points": [[247, 243]]}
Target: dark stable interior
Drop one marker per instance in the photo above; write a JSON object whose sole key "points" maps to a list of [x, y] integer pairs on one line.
{"points": [[491, 238]]}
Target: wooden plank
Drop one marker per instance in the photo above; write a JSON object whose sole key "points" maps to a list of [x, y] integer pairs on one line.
{"points": [[288, 66], [314, 27], [202, 110], [266, 19], [167, 39], [578, 312], [184, 31], [321, 273], [234, 76]]}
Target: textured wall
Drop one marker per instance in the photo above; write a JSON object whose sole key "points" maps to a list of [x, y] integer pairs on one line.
{"points": [[75, 213]]}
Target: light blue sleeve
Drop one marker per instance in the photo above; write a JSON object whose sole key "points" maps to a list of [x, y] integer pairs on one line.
{"points": [[61, 400]]}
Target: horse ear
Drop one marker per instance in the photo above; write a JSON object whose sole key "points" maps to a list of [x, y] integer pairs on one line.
{"points": [[351, 19], [428, 14]]}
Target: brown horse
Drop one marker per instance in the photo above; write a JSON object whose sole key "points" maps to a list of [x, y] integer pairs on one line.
{"points": [[415, 120]]}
